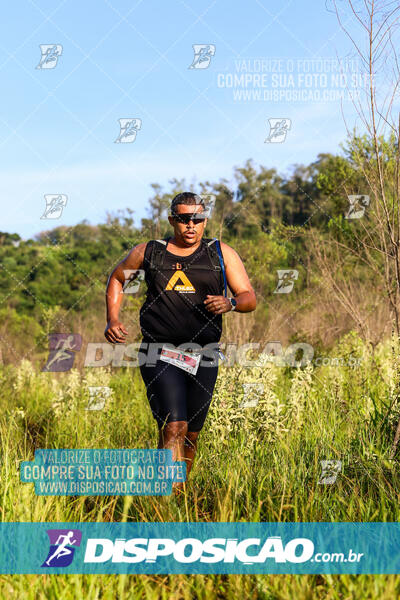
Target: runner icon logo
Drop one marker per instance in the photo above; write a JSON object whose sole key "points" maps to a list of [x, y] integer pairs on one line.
{"points": [[62, 349], [62, 550]]}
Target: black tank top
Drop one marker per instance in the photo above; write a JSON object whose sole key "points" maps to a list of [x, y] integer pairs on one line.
{"points": [[173, 310]]}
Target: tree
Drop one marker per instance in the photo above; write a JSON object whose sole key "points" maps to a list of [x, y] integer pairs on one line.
{"points": [[377, 152]]}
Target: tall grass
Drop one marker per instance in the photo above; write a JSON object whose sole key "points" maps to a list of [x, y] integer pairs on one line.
{"points": [[253, 464]]}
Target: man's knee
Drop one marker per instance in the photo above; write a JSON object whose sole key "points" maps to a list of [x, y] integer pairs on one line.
{"points": [[175, 429]]}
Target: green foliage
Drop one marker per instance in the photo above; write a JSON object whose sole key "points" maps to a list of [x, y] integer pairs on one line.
{"points": [[9, 239], [262, 257], [254, 464], [20, 334], [260, 464], [263, 217]]}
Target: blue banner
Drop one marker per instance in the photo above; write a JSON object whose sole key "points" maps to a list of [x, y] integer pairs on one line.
{"points": [[287, 548]]}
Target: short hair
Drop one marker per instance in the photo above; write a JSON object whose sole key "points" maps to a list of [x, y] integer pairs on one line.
{"points": [[186, 198]]}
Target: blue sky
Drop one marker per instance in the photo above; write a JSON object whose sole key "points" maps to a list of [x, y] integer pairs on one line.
{"points": [[131, 60]]}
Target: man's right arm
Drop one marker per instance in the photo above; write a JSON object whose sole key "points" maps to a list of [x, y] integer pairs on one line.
{"points": [[115, 332]]}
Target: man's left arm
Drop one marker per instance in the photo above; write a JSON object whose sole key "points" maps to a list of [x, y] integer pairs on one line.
{"points": [[238, 282]]}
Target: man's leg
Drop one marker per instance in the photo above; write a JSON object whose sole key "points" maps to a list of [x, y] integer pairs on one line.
{"points": [[172, 435], [200, 389], [182, 442], [166, 392], [190, 447]]}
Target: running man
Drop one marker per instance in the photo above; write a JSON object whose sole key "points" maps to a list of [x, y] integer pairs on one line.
{"points": [[183, 307], [63, 347], [62, 550]]}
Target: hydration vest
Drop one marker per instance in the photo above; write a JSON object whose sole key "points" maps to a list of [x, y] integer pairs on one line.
{"points": [[213, 249], [174, 312]]}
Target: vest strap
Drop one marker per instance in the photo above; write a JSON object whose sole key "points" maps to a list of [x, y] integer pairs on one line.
{"points": [[158, 252]]}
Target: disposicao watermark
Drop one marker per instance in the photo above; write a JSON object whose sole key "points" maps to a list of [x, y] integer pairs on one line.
{"points": [[268, 79], [55, 204], [357, 206], [102, 472], [128, 130], [203, 54], [50, 53]]}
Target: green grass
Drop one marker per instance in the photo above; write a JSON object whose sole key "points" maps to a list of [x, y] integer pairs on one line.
{"points": [[253, 464]]}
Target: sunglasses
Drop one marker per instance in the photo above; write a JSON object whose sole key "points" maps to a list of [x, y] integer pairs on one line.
{"points": [[187, 217]]}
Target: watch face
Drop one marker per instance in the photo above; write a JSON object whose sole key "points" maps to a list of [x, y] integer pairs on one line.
{"points": [[233, 302]]}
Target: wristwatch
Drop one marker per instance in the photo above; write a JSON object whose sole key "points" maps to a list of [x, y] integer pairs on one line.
{"points": [[233, 303]]}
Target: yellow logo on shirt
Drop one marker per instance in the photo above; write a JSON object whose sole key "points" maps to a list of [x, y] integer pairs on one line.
{"points": [[186, 287]]}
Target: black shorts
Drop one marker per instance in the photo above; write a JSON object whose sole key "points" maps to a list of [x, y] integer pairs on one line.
{"points": [[175, 394]]}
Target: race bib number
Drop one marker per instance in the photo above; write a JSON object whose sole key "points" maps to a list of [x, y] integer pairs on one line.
{"points": [[188, 361]]}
